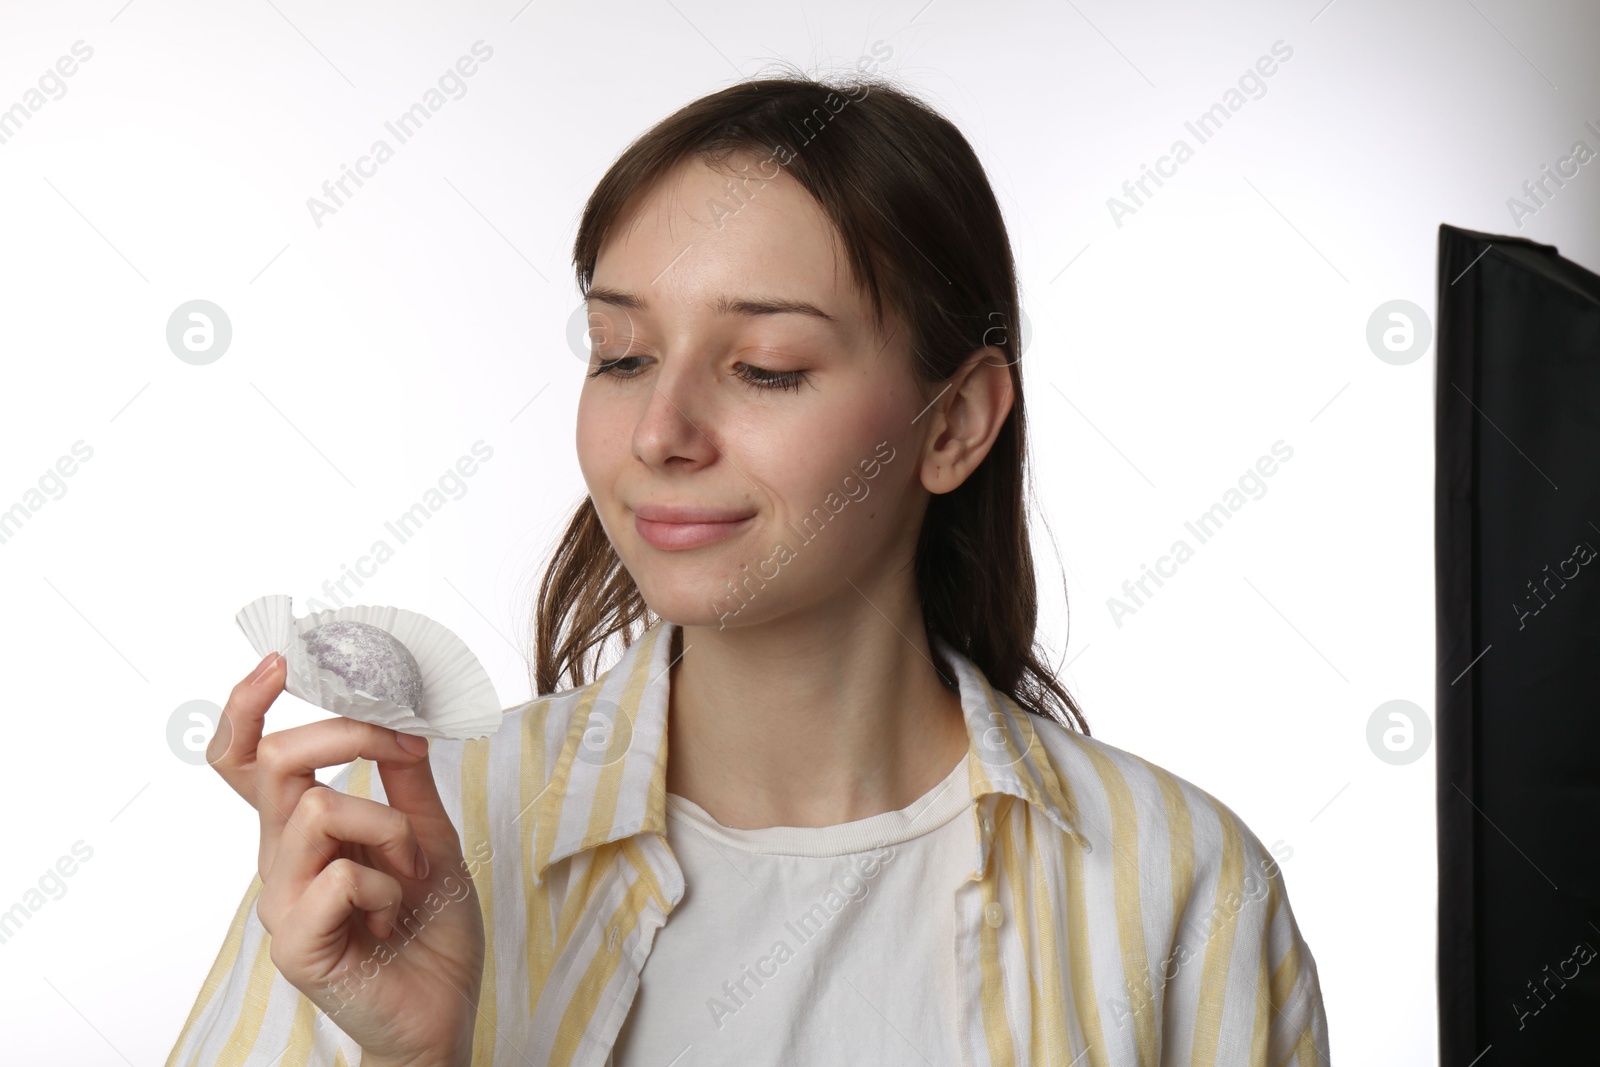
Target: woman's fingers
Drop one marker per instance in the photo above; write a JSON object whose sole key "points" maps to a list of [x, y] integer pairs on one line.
{"points": [[411, 788], [232, 749], [287, 761], [308, 937], [324, 820]]}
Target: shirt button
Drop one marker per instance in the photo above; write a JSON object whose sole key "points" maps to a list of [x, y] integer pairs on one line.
{"points": [[988, 825], [994, 915]]}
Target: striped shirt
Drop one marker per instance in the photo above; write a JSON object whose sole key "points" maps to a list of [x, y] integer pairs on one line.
{"points": [[1115, 914]]}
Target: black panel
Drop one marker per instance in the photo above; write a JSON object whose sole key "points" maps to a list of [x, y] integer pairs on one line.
{"points": [[1517, 541]]}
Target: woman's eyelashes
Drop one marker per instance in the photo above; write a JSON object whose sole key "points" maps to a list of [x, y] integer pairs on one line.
{"points": [[609, 366], [762, 378], [757, 377]]}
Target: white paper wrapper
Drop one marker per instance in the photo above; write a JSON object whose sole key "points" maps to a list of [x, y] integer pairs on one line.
{"points": [[458, 700]]}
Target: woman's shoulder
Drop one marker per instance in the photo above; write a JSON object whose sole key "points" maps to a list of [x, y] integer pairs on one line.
{"points": [[1117, 793], [520, 753], [543, 723], [545, 709], [1169, 856]]}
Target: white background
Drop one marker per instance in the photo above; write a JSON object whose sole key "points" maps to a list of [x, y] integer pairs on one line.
{"points": [[430, 312]]}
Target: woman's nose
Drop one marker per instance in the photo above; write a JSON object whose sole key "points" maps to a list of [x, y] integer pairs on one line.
{"points": [[676, 421]]}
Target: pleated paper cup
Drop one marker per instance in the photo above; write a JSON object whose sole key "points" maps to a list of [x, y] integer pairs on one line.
{"points": [[458, 699]]}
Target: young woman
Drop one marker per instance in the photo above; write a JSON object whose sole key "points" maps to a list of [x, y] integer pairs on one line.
{"points": [[884, 834]]}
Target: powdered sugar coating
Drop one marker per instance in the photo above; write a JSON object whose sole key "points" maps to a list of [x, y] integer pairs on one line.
{"points": [[368, 658]]}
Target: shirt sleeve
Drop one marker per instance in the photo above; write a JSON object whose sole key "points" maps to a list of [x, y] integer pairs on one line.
{"points": [[247, 1014], [1240, 963], [1286, 981]]}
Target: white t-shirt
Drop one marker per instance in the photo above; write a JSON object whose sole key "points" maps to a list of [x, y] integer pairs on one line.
{"points": [[805, 945]]}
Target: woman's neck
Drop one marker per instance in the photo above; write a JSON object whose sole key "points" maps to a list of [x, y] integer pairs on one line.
{"points": [[799, 723]]}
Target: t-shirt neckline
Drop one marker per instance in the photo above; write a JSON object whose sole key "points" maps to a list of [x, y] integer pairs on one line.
{"points": [[927, 813]]}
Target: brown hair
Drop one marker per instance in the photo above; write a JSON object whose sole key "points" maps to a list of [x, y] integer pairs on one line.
{"points": [[924, 234]]}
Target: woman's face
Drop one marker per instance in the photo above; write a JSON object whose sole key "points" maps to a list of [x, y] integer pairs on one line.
{"points": [[752, 451]]}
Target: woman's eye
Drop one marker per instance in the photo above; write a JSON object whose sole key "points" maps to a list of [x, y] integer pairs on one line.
{"points": [[762, 378], [610, 366], [758, 377]]}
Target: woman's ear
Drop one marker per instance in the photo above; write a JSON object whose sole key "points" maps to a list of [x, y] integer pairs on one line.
{"points": [[966, 418]]}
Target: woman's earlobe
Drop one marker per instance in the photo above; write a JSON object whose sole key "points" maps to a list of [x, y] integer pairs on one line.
{"points": [[942, 479]]}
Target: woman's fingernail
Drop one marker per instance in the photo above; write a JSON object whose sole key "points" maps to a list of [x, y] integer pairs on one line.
{"points": [[264, 668], [412, 743], [422, 864]]}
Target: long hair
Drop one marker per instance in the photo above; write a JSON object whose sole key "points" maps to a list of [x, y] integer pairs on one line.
{"points": [[925, 236]]}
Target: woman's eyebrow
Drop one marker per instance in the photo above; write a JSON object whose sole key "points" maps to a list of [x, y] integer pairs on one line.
{"points": [[725, 305]]}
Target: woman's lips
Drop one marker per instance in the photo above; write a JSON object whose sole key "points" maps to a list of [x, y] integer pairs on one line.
{"points": [[675, 536]]}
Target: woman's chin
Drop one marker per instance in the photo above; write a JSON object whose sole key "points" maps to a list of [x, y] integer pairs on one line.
{"points": [[701, 603]]}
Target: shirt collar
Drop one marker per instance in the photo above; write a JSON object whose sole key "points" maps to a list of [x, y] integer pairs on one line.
{"points": [[610, 778]]}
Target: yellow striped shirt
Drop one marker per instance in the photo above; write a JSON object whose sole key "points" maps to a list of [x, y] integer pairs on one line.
{"points": [[1115, 914]]}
